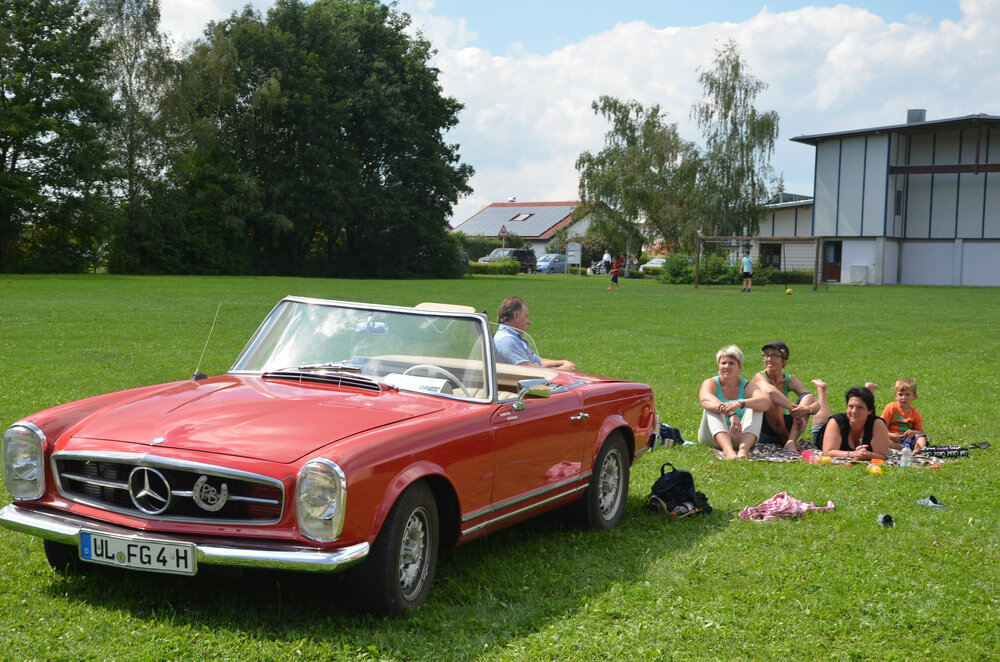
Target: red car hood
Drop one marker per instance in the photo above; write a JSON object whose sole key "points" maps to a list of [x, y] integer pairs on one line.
{"points": [[273, 420]]}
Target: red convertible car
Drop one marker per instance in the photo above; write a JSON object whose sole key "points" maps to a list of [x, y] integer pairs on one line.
{"points": [[346, 436]]}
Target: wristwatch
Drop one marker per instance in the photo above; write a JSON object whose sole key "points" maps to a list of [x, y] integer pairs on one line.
{"points": [[742, 403]]}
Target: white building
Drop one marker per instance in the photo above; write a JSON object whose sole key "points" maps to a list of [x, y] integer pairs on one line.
{"points": [[535, 222], [913, 203]]}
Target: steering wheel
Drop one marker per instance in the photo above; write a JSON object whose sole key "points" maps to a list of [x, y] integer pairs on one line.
{"points": [[438, 370]]}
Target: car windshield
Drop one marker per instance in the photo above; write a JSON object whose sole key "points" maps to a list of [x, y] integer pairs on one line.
{"points": [[435, 352], [550, 257]]}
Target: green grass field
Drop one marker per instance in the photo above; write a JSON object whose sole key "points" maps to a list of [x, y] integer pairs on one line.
{"points": [[824, 586]]}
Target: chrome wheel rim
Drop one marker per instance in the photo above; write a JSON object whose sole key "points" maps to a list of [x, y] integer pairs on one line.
{"points": [[413, 550], [609, 486]]}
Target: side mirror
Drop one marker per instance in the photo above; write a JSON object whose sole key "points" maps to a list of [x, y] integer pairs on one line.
{"points": [[536, 388]]}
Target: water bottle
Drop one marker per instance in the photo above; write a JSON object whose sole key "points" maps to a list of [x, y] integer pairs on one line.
{"points": [[904, 456]]}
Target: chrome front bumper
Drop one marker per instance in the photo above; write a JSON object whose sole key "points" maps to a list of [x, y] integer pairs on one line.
{"points": [[66, 528]]}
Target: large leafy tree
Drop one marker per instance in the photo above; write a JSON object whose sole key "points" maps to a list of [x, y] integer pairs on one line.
{"points": [[739, 141], [641, 185], [315, 145], [52, 107], [137, 72]]}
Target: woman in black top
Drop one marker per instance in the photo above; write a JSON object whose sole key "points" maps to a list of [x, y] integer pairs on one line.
{"points": [[858, 434]]}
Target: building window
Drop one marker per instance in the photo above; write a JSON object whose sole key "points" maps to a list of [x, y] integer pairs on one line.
{"points": [[899, 202], [770, 255], [522, 217]]}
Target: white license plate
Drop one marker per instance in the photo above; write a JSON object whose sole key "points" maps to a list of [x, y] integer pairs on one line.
{"points": [[137, 553]]}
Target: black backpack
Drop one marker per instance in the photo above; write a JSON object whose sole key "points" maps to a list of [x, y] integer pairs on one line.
{"points": [[672, 491]]}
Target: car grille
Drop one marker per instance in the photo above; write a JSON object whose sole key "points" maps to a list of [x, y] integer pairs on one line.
{"points": [[161, 489]]}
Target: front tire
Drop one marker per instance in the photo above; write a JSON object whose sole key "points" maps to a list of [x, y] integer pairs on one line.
{"points": [[396, 577], [604, 501], [63, 558]]}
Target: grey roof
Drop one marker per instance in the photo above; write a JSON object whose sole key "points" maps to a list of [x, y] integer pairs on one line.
{"points": [[804, 202], [966, 121], [781, 198], [545, 219]]}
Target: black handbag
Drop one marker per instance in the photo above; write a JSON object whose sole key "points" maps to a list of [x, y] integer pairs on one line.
{"points": [[673, 494]]}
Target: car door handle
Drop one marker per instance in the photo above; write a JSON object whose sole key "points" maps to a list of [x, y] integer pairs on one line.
{"points": [[582, 416]]}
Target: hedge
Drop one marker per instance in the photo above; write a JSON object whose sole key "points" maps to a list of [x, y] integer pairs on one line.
{"points": [[500, 267], [716, 270]]}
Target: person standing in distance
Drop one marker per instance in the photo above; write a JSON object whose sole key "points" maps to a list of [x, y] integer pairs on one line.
{"points": [[747, 263]]}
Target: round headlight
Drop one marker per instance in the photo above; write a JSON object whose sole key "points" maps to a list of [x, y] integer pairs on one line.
{"points": [[23, 454], [320, 499]]}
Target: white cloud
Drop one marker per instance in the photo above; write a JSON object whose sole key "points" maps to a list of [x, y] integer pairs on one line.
{"points": [[527, 115]]}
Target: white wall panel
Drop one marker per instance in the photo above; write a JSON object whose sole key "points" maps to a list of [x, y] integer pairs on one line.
{"points": [[926, 262], [859, 252], [992, 220], [876, 176], [918, 205], [979, 263], [852, 164], [921, 149], [827, 175], [944, 206], [945, 195], [970, 205], [890, 262]]}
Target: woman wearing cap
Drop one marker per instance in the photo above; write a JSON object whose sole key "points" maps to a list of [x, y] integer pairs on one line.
{"points": [[858, 434], [777, 426], [732, 406]]}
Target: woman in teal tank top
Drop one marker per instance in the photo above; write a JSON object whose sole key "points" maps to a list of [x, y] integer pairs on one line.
{"points": [[732, 407]]}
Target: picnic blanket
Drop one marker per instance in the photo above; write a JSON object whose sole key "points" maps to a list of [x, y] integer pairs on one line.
{"points": [[763, 452], [780, 506]]}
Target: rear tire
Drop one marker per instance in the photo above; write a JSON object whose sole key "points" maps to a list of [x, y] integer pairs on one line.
{"points": [[529, 271], [603, 503], [63, 558], [396, 577]]}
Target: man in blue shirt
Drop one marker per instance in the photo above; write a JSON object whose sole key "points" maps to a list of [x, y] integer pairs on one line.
{"points": [[511, 346]]}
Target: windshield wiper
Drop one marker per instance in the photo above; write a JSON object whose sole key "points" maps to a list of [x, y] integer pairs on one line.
{"points": [[336, 366]]}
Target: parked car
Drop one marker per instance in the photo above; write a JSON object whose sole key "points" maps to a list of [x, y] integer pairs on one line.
{"points": [[553, 263], [346, 437], [658, 262], [526, 256]]}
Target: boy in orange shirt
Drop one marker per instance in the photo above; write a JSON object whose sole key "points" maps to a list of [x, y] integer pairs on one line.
{"points": [[904, 421]]}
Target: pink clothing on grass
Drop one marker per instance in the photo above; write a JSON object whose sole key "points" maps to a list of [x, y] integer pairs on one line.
{"points": [[780, 505]]}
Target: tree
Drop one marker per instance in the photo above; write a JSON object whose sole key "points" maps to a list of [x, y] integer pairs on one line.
{"points": [[315, 145], [137, 72], [52, 107], [739, 143], [642, 184]]}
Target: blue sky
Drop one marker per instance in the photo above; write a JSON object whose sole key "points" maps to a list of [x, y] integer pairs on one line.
{"points": [[527, 72], [542, 25]]}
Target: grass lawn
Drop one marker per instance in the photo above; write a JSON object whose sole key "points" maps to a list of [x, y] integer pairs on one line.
{"points": [[824, 586]]}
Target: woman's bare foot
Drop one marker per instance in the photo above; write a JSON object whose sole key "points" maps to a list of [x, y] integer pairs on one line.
{"points": [[819, 384], [871, 386], [743, 455], [791, 446]]}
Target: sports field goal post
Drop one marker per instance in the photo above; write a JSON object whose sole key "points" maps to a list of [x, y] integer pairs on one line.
{"points": [[783, 254]]}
